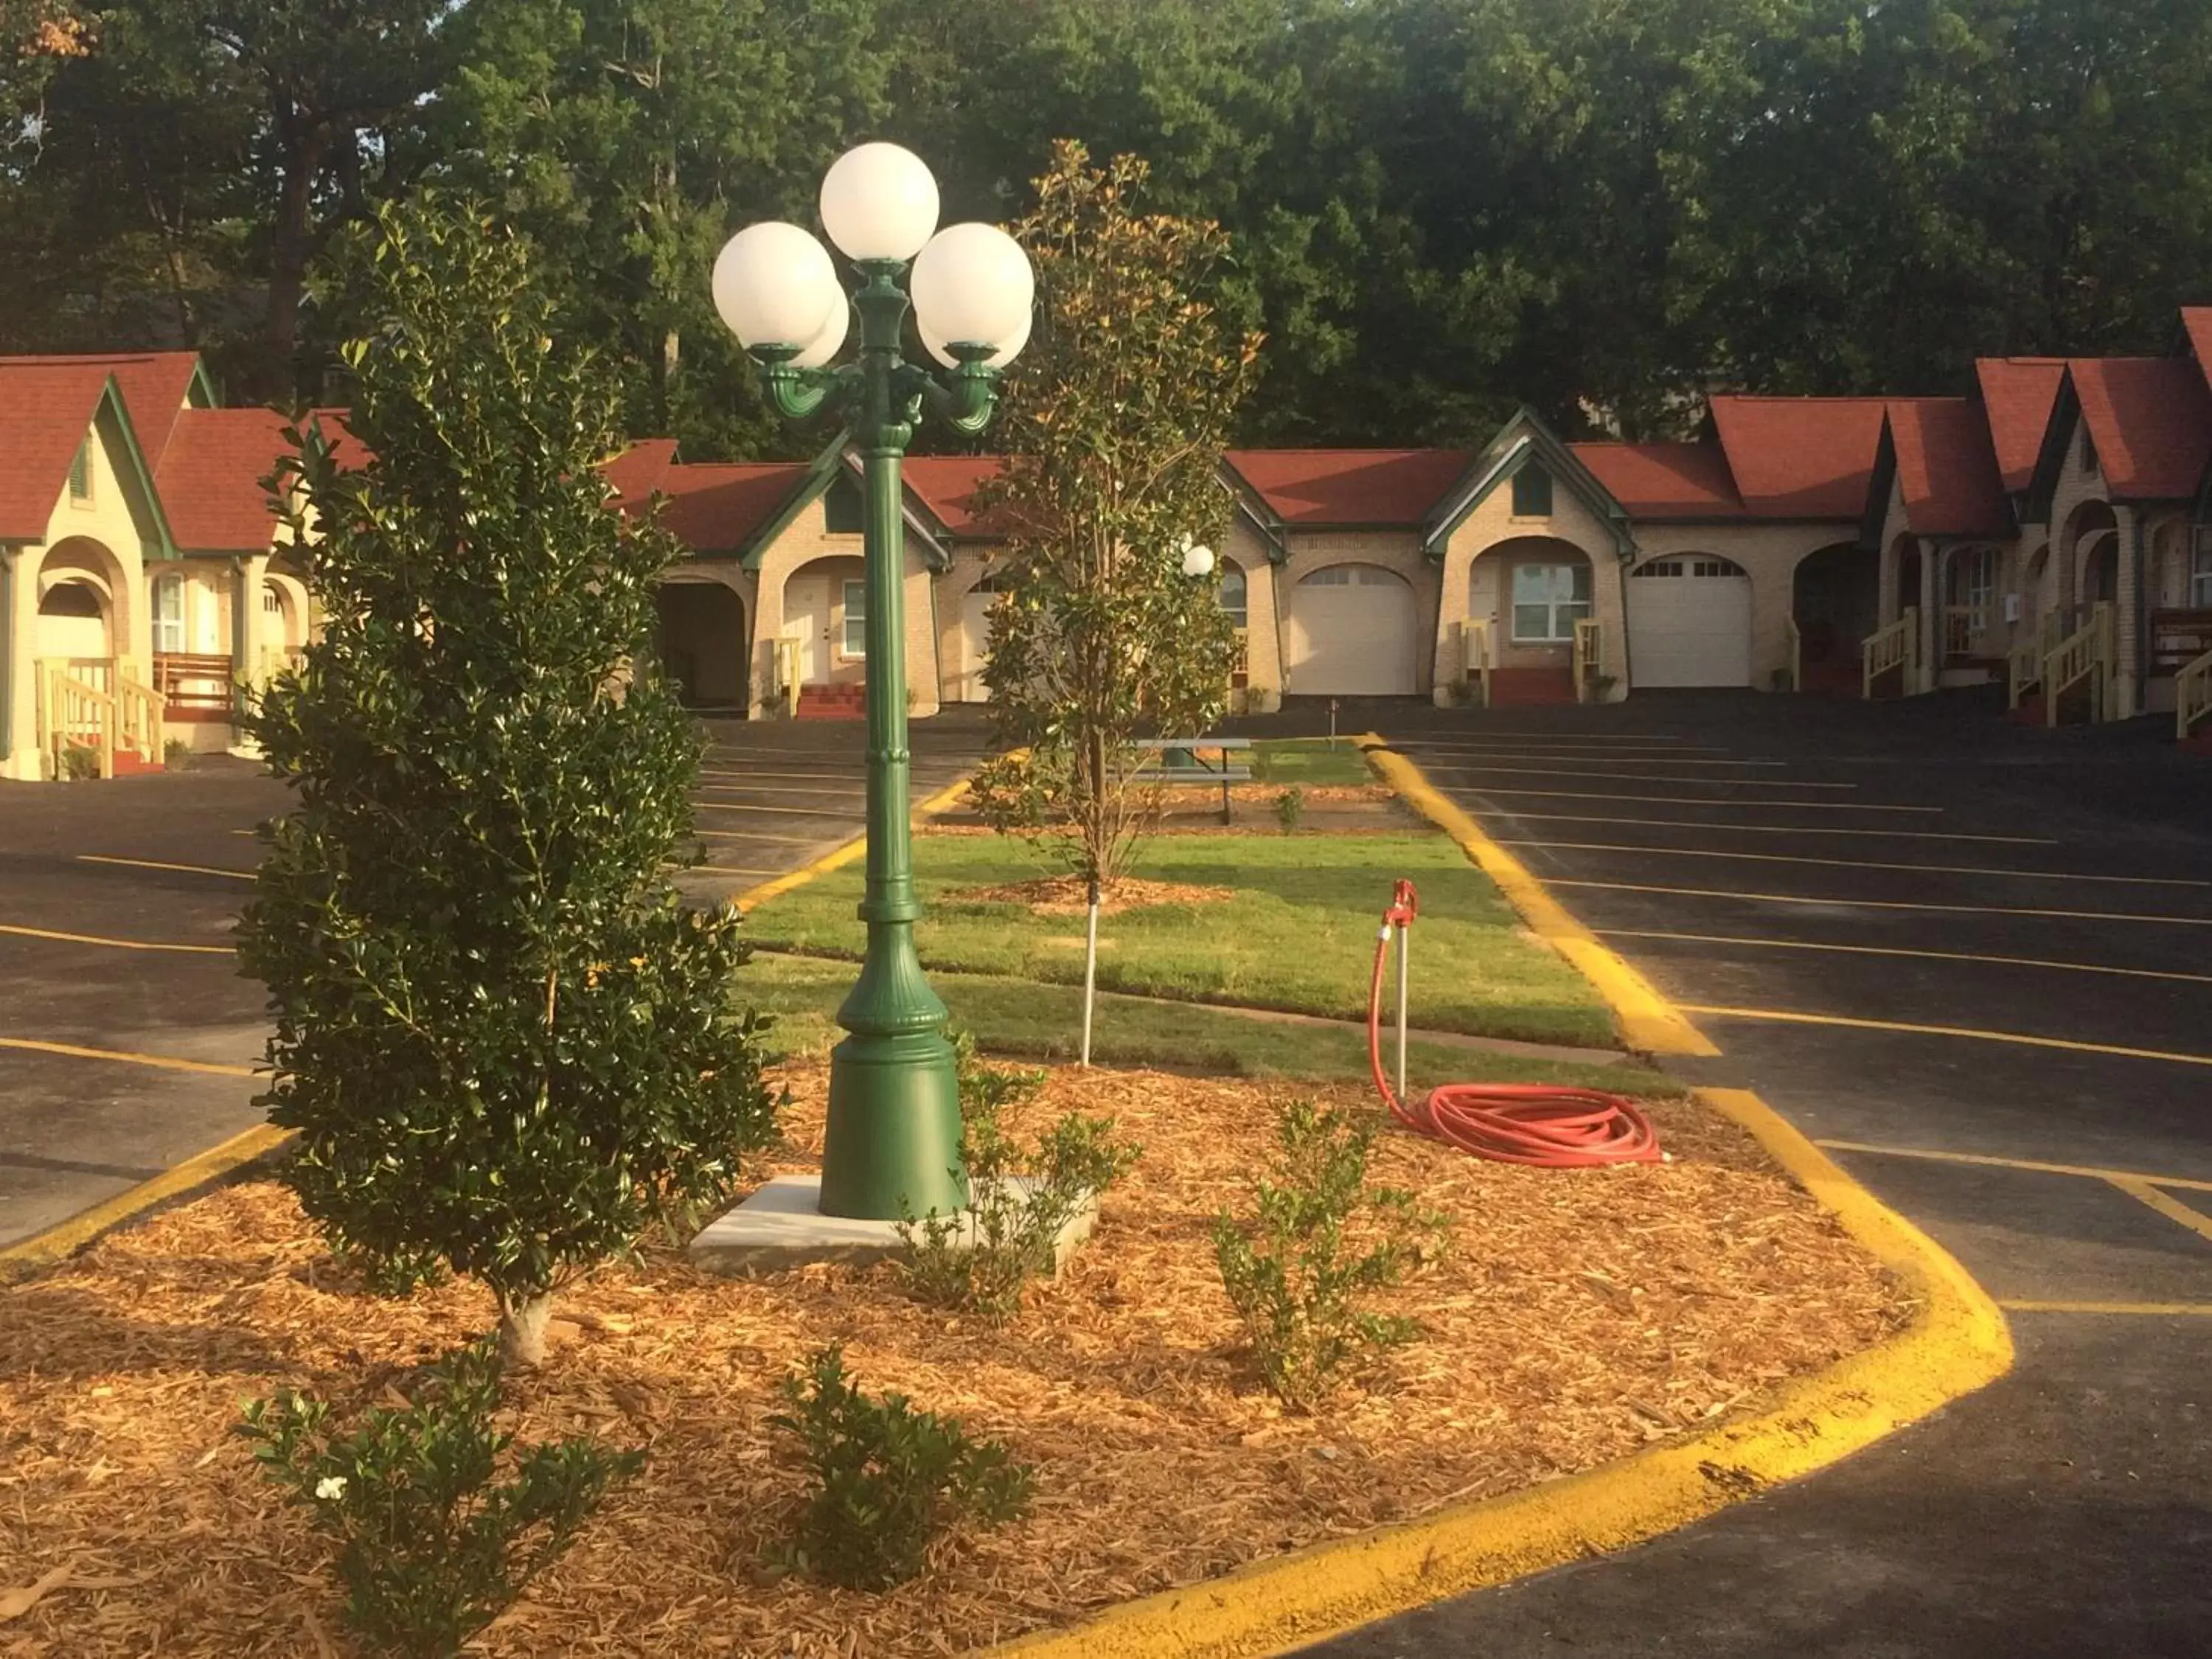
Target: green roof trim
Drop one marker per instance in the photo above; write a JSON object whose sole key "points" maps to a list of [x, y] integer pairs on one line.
{"points": [[1275, 534], [2050, 457], [1522, 438], [153, 523], [809, 489]]}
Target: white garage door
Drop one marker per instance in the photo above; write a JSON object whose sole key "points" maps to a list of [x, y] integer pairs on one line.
{"points": [[1353, 634], [1689, 623]]}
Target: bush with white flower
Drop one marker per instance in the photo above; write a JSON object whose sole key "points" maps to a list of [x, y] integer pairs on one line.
{"points": [[441, 1519]]}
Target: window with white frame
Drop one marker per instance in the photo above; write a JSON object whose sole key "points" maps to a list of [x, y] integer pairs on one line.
{"points": [[1233, 595], [856, 619], [1974, 581], [1548, 600], [169, 613], [2200, 572]]}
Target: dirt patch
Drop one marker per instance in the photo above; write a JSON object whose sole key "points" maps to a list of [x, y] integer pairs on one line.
{"points": [[1066, 895], [1578, 1317]]}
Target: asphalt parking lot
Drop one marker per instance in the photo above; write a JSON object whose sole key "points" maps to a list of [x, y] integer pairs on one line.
{"points": [[127, 1038], [1974, 961]]}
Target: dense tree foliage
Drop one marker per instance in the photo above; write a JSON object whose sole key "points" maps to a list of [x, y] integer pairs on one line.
{"points": [[1440, 206]]}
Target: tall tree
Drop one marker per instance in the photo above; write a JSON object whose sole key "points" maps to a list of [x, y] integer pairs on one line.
{"points": [[1113, 431]]}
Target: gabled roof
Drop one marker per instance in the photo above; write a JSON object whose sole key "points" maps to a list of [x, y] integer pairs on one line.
{"points": [[156, 385], [947, 485], [47, 405], [210, 478], [720, 509], [1666, 480], [331, 425], [2151, 420], [2017, 393], [640, 469], [1800, 458], [2197, 330], [1349, 488], [1524, 439], [1938, 453]]}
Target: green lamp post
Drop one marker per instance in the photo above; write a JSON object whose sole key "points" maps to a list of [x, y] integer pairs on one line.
{"points": [[892, 1146]]}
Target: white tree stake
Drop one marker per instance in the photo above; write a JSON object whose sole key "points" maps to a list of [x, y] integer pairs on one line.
{"points": [[1091, 969], [1405, 944]]}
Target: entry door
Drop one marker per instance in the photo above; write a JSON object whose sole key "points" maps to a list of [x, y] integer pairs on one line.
{"points": [[1689, 623], [806, 613]]}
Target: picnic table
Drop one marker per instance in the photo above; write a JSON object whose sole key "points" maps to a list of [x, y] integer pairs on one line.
{"points": [[1182, 761]]}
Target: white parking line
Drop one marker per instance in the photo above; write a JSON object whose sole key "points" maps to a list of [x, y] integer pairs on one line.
{"points": [[1771, 828], [1850, 864], [1640, 777], [1901, 951]]}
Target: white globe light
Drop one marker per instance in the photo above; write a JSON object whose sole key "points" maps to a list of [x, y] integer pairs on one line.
{"points": [[824, 345], [1005, 354], [973, 286], [1197, 561], [773, 285], [878, 202]]}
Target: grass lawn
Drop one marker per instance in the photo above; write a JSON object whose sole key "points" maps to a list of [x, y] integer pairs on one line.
{"points": [[1018, 1017], [1297, 933], [1309, 761]]}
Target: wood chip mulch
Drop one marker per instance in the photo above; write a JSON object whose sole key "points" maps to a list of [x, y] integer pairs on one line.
{"points": [[1068, 895], [1577, 1318]]}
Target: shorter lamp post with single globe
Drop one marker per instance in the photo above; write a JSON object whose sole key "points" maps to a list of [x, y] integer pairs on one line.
{"points": [[892, 1146]]}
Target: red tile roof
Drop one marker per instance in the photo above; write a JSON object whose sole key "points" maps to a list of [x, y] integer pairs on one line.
{"points": [[1665, 481], [2197, 324], [153, 385], [640, 470], [1310, 487], [1800, 458], [1947, 468], [715, 508], [47, 404], [347, 450], [947, 485], [2151, 419], [2017, 393], [210, 478]]}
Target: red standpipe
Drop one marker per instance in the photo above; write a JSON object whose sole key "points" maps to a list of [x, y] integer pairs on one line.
{"points": [[1541, 1125]]}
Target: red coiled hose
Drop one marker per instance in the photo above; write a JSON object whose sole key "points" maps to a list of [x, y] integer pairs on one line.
{"points": [[1548, 1126]]}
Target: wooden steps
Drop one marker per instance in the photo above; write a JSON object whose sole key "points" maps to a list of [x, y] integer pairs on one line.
{"points": [[844, 701]]}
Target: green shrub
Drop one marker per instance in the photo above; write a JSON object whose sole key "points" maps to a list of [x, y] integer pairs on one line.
{"points": [[395, 1275], [1289, 807], [1321, 1239], [176, 754], [434, 1542], [885, 1479], [80, 761], [980, 1259]]}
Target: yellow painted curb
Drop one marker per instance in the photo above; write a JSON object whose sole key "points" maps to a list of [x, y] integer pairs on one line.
{"points": [[193, 1173], [1647, 1021], [1956, 1342], [924, 810]]}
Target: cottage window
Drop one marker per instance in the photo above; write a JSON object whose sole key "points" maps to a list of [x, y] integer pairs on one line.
{"points": [[80, 477], [168, 614], [1233, 595], [1532, 493], [1548, 600], [856, 619]]}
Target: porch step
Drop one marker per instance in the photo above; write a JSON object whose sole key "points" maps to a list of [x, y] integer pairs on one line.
{"points": [[1518, 688], [2030, 710], [833, 703], [2197, 743]]}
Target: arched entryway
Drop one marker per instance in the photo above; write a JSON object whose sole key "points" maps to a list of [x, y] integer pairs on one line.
{"points": [[1689, 622], [2092, 557], [1353, 632], [1835, 595], [1234, 593], [84, 602], [702, 642]]}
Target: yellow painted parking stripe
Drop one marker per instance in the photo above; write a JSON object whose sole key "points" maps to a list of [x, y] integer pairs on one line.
{"points": [[1772, 828], [157, 864], [787, 812], [1884, 904], [760, 834], [2087, 1170], [1853, 864], [1485, 792], [2139, 1309], [1901, 951], [2023, 1038], [115, 944], [82, 1228], [2166, 1205], [124, 1056], [1636, 777]]}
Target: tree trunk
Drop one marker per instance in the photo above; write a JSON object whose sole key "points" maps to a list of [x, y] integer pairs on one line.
{"points": [[522, 1321], [304, 144]]}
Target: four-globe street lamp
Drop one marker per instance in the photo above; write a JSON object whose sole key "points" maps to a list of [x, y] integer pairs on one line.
{"points": [[892, 1146]]}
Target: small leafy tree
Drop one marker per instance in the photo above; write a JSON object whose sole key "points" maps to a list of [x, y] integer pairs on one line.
{"points": [[1114, 429], [434, 1541], [504, 1043]]}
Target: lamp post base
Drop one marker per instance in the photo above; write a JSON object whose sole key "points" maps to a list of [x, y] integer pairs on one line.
{"points": [[891, 1149]]}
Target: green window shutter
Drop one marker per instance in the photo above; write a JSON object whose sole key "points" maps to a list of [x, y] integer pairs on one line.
{"points": [[80, 482], [1532, 493]]}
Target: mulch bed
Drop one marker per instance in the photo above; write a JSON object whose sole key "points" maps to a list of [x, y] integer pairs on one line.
{"points": [[1577, 1318], [1068, 896]]}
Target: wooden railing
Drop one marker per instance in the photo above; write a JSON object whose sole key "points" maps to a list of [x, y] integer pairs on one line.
{"points": [[92, 703], [1588, 658], [1961, 623], [197, 685], [2023, 670], [788, 667], [1888, 649], [140, 717], [2085, 656], [1793, 637], [2192, 694], [1474, 658], [1240, 664]]}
